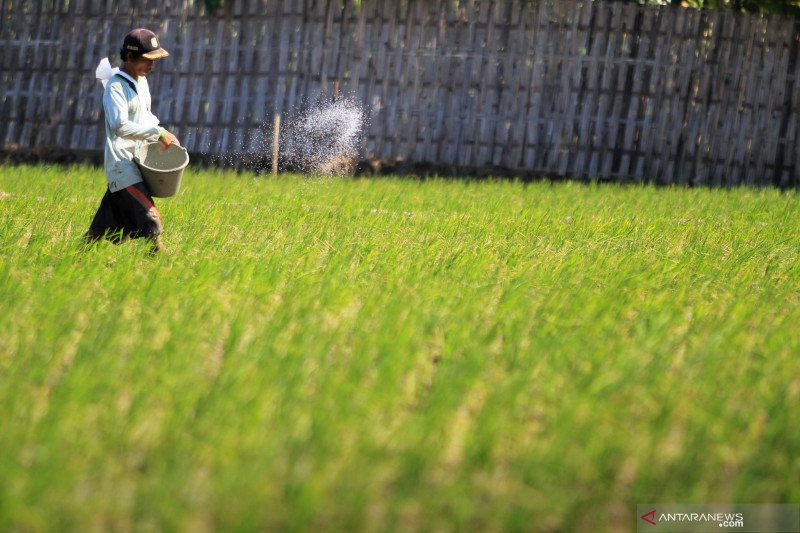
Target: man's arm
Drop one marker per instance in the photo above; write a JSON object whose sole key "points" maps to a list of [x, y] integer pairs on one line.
{"points": [[116, 108]]}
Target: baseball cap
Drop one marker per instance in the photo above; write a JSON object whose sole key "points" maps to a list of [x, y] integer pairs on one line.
{"points": [[145, 43]]}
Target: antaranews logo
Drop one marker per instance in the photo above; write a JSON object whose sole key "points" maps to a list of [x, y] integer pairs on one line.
{"points": [[650, 517], [701, 518], [720, 519]]}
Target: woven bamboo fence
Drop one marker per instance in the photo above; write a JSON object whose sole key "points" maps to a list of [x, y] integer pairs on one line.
{"points": [[571, 88]]}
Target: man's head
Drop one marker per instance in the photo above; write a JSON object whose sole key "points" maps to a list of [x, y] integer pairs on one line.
{"points": [[139, 49]]}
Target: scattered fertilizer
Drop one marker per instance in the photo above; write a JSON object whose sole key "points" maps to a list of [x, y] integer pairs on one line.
{"points": [[324, 139]]}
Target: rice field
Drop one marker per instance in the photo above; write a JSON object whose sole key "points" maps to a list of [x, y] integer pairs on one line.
{"points": [[395, 355]]}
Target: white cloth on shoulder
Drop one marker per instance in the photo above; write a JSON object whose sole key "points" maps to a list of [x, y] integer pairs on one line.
{"points": [[104, 71]]}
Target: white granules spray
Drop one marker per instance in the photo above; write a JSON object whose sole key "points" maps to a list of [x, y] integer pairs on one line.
{"points": [[324, 139]]}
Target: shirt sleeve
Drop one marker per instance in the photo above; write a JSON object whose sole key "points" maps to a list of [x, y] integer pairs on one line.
{"points": [[116, 107]]}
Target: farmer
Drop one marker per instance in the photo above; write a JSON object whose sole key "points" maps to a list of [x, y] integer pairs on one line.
{"points": [[127, 210]]}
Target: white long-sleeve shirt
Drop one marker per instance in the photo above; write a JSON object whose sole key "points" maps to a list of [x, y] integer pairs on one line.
{"points": [[129, 123]]}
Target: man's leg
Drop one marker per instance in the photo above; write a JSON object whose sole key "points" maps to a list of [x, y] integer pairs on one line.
{"points": [[92, 236], [147, 219], [89, 239], [104, 221], [157, 246]]}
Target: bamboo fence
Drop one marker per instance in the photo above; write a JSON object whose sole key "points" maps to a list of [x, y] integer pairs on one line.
{"points": [[573, 88]]}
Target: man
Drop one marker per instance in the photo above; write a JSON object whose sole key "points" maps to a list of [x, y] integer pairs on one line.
{"points": [[127, 210]]}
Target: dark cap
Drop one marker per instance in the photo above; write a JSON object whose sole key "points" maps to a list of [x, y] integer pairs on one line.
{"points": [[144, 43]]}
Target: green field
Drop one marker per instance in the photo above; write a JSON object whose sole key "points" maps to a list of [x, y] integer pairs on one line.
{"points": [[395, 355]]}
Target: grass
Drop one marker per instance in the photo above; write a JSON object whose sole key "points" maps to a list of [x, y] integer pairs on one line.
{"points": [[392, 355]]}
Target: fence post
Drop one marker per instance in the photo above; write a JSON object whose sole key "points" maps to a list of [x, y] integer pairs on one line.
{"points": [[276, 134]]}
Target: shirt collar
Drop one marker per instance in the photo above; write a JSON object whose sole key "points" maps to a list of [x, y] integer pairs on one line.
{"points": [[127, 76]]}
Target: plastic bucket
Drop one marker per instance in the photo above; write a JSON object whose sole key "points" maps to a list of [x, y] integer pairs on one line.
{"points": [[162, 169]]}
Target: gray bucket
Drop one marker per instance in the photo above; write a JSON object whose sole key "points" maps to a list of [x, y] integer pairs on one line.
{"points": [[162, 169]]}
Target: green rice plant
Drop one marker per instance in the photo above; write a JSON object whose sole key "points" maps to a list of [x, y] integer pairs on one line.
{"points": [[395, 355]]}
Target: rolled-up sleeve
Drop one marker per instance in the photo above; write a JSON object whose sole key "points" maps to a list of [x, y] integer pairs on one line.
{"points": [[116, 108]]}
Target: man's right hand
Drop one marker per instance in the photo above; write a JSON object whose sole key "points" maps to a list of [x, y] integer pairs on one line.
{"points": [[167, 139]]}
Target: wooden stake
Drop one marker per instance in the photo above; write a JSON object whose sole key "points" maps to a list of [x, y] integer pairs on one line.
{"points": [[276, 133]]}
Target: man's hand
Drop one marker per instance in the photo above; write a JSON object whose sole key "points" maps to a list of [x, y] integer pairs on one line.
{"points": [[167, 139]]}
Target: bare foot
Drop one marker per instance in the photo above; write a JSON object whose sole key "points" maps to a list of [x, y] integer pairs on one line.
{"points": [[157, 246]]}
